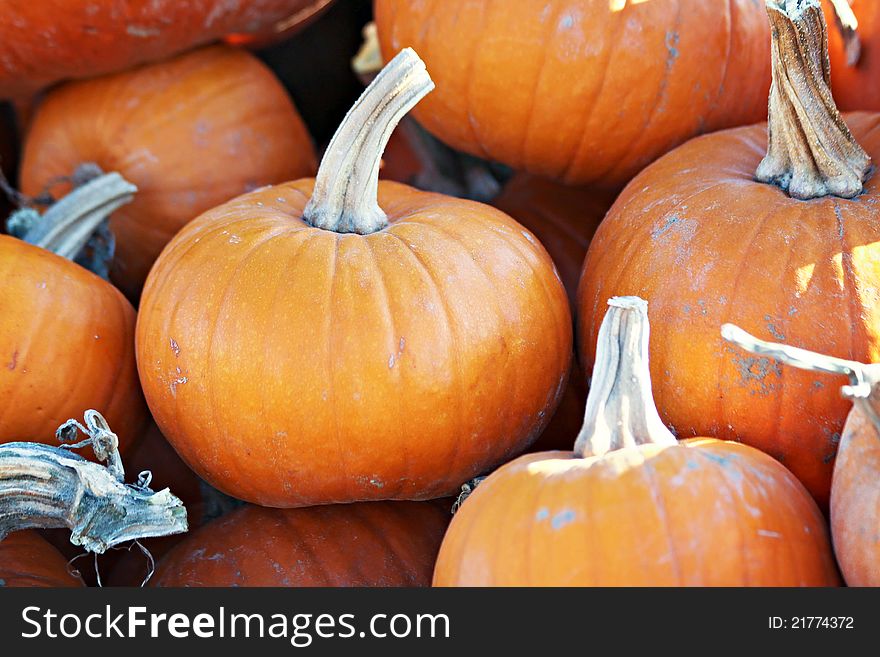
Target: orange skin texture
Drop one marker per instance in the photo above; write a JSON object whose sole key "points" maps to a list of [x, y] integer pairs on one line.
{"points": [[856, 87], [554, 87], [51, 40], [706, 244], [700, 513], [325, 368], [365, 544], [855, 500], [67, 345], [165, 127], [564, 219], [28, 561]]}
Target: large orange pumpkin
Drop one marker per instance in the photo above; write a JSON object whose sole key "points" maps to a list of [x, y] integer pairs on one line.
{"points": [[66, 344], [365, 544], [564, 219], [630, 506], [307, 344], [51, 40], [26, 560], [856, 70], [855, 487], [708, 243], [582, 90], [191, 132]]}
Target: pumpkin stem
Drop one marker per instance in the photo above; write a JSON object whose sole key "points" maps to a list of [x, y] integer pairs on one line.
{"points": [[864, 378], [620, 407], [346, 188], [69, 223], [42, 486], [811, 152], [848, 25]]}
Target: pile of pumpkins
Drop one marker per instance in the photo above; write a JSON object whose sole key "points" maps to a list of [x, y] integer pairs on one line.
{"points": [[344, 354]]}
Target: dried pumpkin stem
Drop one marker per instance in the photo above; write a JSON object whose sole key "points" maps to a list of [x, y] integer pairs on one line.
{"points": [[43, 486], [811, 152], [346, 188], [620, 407], [848, 25], [68, 224], [864, 378]]}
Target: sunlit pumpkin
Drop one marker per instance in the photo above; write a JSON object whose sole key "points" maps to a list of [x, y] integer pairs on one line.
{"points": [[856, 69], [631, 506], [312, 343]]}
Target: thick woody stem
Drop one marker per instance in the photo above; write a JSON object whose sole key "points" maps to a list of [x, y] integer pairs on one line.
{"points": [[68, 224], [620, 407], [42, 486], [848, 25], [346, 188], [811, 152]]}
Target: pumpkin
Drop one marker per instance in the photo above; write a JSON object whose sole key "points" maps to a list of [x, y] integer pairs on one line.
{"points": [[631, 506], [362, 544], [564, 219], [553, 87], [26, 560], [190, 133], [67, 336], [344, 339], [855, 491], [52, 40], [304, 15], [784, 256], [855, 53]]}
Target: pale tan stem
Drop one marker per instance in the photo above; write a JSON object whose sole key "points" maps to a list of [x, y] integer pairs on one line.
{"points": [[68, 224], [42, 486], [811, 152], [346, 188], [620, 407], [848, 25]]}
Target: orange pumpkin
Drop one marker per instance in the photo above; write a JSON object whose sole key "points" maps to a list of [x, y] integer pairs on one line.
{"points": [[855, 487], [856, 69], [67, 344], [306, 344], [366, 544], [564, 219], [51, 40], [630, 506], [302, 16], [26, 560], [190, 133], [708, 243], [584, 91]]}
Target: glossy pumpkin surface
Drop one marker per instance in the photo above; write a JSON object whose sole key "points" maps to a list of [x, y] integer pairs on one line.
{"points": [[26, 560], [855, 85]]}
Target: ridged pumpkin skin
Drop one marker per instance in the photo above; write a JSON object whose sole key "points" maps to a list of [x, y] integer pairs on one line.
{"points": [[292, 366], [190, 133], [583, 91], [564, 219], [856, 87], [368, 544], [66, 346], [26, 560], [702, 513], [855, 502], [707, 244], [51, 40]]}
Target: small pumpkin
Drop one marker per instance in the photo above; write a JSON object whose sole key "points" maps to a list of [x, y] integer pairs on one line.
{"points": [[630, 506], [854, 47], [793, 254], [190, 132], [26, 560], [345, 339], [564, 219], [583, 91], [855, 487], [52, 40], [365, 544], [67, 336]]}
